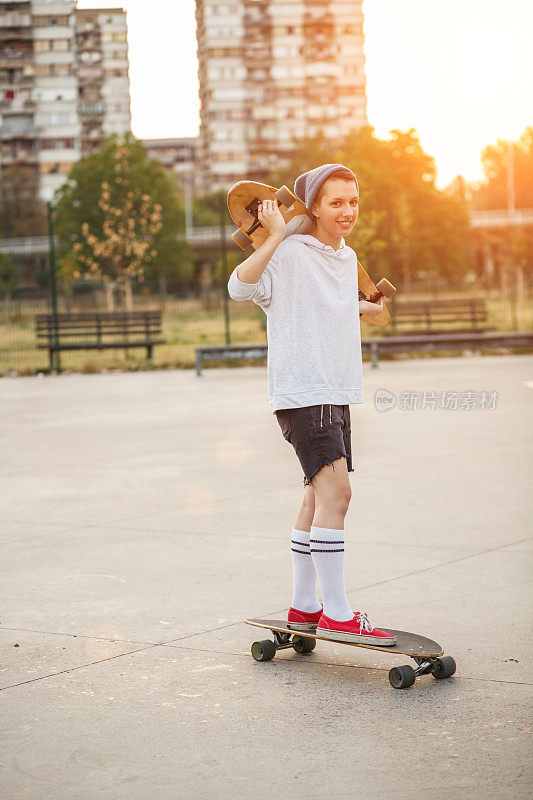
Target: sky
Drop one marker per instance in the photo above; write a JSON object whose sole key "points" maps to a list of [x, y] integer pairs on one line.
{"points": [[459, 72]]}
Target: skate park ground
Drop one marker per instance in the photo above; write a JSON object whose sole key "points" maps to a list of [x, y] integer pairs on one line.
{"points": [[145, 515]]}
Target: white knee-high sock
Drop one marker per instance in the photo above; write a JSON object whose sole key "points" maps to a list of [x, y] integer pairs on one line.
{"points": [[327, 552], [304, 576]]}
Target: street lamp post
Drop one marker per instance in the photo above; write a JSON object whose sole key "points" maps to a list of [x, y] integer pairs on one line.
{"points": [[224, 255], [56, 361]]}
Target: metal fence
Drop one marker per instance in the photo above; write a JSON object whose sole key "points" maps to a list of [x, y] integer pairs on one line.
{"points": [[208, 317]]}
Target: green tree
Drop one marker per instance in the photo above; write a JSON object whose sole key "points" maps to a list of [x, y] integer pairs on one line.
{"points": [[407, 228], [491, 193], [116, 181], [22, 212], [9, 275], [510, 247]]}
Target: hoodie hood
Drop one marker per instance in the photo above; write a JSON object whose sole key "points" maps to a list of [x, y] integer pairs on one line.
{"points": [[312, 241]]}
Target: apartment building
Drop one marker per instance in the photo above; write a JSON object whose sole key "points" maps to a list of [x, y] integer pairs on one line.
{"points": [[179, 154], [53, 109], [55, 91], [103, 75], [271, 71], [18, 134]]}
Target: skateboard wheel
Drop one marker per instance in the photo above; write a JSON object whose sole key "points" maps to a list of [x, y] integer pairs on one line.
{"points": [[303, 644], [402, 677], [286, 197], [386, 288], [264, 651], [242, 239], [443, 667]]}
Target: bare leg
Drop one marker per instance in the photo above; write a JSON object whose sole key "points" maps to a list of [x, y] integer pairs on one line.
{"points": [[307, 509], [333, 493]]}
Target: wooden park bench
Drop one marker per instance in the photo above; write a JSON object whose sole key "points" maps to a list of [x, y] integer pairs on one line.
{"points": [[98, 330], [468, 314]]}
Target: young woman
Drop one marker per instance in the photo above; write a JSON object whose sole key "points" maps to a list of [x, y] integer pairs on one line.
{"points": [[307, 285]]}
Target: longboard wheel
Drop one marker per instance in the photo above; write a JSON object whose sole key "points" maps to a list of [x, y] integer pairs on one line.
{"points": [[286, 197], [402, 677], [264, 651], [385, 287], [443, 667], [242, 239], [303, 644]]}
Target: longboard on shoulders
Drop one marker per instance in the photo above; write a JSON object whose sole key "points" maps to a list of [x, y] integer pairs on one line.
{"points": [[243, 204]]}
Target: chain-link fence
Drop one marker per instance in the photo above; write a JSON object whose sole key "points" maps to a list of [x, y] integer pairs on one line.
{"points": [[210, 317]]}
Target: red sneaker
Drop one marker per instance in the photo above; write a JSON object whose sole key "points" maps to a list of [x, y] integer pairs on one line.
{"points": [[357, 629], [301, 620]]}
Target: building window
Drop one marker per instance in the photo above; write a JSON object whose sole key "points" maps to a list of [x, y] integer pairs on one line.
{"points": [[41, 21], [56, 144]]}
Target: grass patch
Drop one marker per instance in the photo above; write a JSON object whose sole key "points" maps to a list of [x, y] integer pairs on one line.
{"points": [[187, 324]]}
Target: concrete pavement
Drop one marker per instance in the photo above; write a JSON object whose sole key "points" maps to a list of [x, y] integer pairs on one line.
{"points": [[145, 515]]}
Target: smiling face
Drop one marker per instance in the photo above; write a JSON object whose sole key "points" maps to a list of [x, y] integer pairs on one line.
{"points": [[336, 207]]}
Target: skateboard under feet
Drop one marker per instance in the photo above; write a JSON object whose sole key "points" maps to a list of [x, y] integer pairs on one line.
{"points": [[428, 655]]}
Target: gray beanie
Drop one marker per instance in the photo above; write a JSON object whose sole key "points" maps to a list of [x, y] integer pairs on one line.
{"points": [[307, 185]]}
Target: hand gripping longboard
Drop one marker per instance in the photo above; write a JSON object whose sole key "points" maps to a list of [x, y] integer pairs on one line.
{"points": [[370, 291], [428, 655], [243, 200]]}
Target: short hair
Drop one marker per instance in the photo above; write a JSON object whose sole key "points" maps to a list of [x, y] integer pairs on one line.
{"points": [[345, 174]]}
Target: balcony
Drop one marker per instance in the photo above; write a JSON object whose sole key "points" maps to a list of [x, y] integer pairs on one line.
{"points": [[92, 110], [15, 105], [15, 56], [30, 132], [91, 135], [256, 58], [11, 78], [15, 19], [88, 43], [90, 73], [23, 155]]}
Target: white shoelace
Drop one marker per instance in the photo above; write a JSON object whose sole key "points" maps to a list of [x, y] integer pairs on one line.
{"points": [[364, 622]]}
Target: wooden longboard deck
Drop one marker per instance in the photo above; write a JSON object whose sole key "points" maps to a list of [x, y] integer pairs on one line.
{"points": [[368, 287], [408, 644]]}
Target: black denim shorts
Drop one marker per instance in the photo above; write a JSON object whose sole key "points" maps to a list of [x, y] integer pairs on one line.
{"points": [[319, 435]]}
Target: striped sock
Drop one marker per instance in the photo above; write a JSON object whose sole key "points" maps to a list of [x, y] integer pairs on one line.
{"points": [[304, 576], [327, 552]]}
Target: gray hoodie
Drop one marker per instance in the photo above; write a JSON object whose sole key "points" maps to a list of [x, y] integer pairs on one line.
{"points": [[309, 293]]}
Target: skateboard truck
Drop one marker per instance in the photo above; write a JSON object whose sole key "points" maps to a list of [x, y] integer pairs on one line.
{"points": [[243, 200], [266, 649], [384, 289], [403, 677], [253, 209]]}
